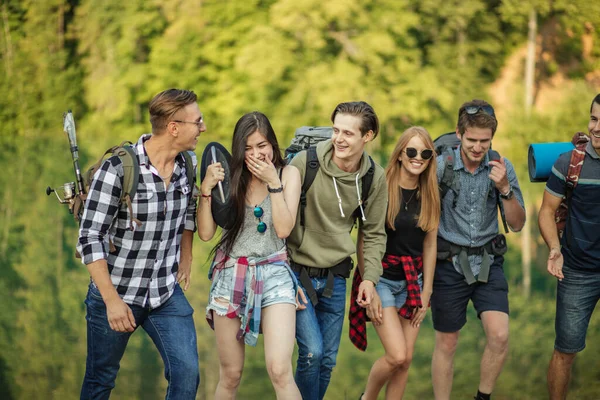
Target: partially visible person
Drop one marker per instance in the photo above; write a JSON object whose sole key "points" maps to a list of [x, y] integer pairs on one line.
{"points": [[468, 232], [404, 289], [574, 259], [138, 282], [320, 248], [252, 285]]}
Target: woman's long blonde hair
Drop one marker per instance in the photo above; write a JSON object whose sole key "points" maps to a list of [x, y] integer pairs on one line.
{"points": [[429, 217]]}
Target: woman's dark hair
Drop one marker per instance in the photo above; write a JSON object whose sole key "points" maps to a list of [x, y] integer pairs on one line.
{"points": [[240, 176]]}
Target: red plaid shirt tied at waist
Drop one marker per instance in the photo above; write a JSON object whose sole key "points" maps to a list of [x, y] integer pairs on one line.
{"points": [[357, 315], [247, 289]]}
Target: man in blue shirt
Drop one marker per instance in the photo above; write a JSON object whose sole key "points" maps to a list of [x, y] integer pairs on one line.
{"points": [[575, 258], [472, 267]]}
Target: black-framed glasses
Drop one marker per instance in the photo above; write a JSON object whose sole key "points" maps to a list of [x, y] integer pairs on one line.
{"points": [[411, 152], [197, 123], [258, 213], [472, 110]]}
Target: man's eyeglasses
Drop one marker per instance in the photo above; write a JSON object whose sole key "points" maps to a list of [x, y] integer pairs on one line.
{"points": [[258, 213], [197, 123], [411, 152], [472, 110]]}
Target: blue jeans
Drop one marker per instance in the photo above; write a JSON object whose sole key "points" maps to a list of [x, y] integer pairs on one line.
{"points": [[318, 332], [576, 297], [171, 328]]}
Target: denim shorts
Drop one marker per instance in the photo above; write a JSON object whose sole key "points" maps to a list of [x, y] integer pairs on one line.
{"points": [[278, 288], [394, 293], [576, 297]]}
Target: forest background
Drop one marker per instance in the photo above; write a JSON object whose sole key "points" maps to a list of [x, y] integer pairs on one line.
{"points": [[537, 62]]}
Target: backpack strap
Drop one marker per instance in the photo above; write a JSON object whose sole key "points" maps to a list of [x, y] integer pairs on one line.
{"points": [[131, 178], [312, 166], [571, 180], [449, 181], [366, 183], [495, 156], [190, 174]]}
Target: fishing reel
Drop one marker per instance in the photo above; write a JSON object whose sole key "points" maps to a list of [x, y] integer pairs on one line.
{"points": [[67, 190]]}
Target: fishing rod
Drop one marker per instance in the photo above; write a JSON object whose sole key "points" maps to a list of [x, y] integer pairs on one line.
{"points": [[73, 193]]}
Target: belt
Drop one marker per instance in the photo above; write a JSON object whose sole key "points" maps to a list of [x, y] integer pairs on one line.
{"points": [[342, 269], [496, 246]]}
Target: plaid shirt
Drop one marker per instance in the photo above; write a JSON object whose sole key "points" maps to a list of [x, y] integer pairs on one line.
{"points": [[247, 290], [358, 316], [144, 266]]}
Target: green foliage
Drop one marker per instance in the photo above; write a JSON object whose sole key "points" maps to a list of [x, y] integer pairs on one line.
{"points": [[415, 62]]}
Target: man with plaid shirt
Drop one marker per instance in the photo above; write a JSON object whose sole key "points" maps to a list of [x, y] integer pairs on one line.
{"points": [[136, 269]]}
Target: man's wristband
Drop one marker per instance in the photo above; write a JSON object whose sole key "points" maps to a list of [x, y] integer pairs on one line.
{"points": [[509, 195]]}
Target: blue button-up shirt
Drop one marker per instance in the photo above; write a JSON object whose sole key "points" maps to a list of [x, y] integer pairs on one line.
{"points": [[474, 220]]}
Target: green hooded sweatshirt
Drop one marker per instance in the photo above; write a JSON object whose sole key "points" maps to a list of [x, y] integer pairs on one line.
{"points": [[325, 239]]}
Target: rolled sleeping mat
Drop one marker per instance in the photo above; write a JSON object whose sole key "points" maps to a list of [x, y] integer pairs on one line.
{"points": [[542, 157]]}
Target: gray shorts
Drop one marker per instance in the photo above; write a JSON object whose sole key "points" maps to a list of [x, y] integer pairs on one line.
{"points": [[278, 288]]}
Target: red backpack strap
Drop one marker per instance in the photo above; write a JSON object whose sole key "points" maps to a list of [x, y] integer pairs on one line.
{"points": [[571, 179], [576, 162]]}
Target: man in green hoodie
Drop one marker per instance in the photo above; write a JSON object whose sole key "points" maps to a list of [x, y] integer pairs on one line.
{"points": [[320, 248]]}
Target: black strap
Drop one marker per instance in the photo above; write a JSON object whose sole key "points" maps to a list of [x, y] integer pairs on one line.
{"points": [[312, 166], [495, 156], [342, 269], [367, 181], [446, 181]]}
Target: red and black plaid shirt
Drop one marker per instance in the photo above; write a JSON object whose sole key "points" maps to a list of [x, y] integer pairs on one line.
{"points": [[358, 316]]}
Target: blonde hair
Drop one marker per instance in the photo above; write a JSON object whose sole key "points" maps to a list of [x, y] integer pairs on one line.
{"points": [[165, 104], [429, 217]]}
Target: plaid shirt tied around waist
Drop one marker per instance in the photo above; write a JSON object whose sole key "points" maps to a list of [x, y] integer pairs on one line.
{"points": [[247, 289], [357, 315]]}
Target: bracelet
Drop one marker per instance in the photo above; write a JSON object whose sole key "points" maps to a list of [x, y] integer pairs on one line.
{"points": [[276, 190], [509, 195], [206, 196]]}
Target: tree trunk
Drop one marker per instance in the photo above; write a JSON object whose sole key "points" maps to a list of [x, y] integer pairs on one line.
{"points": [[530, 62], [526, 253]]}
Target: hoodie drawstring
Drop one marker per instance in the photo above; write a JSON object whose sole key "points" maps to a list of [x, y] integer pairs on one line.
{"points": [[338, 196], [360, 203]]}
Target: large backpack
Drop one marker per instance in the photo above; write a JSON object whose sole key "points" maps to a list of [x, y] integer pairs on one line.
{"points": [[445, 145], [580, 141], [131, 175], [306, 139]]}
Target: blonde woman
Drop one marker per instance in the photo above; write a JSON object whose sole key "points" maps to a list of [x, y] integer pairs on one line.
{"points": [[406, 285]]}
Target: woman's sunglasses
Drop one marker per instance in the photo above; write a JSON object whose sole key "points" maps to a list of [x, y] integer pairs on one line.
{"points": [[258, 213], [411, 152]]}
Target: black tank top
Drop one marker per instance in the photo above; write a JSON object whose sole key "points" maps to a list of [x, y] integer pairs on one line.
{"points": [[407, 239]]}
